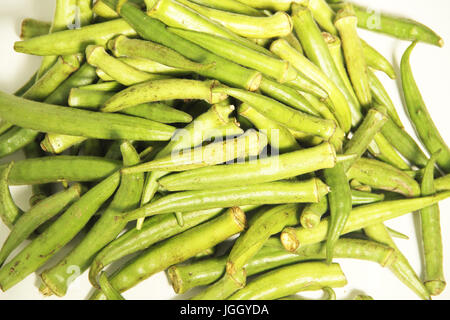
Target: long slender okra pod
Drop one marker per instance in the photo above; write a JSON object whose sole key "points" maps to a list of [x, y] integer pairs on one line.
{"points": [[56, 119], [153, 230], [160, 90], [150, 66], [105, 230], [36, 216], [362, 197], [431, 236], [401, 267], [76, 40], [346, 22], [84, 76], [58, 234], [290, 118], [340, 106], [376, 61], [250, 144], [9, 211], [154, 30], [292, 279], [380, 175], [225, 287], [122, 46], [285, 166], [204, 272], [15, 139], [317, 51], [405, 29], [267, 193], [380, 96], [31, 28], [322, 13], [116, 69], [319, 105], [276, 25], [59, 168], [359, 218], [419, 115], [187, 244], [107, 289], [278, 136]]}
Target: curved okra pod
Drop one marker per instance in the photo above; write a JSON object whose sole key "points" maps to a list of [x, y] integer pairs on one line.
{"points": [[31, 28], [380, 96], [262, 27], [225, 287], [278, 136], [274, 168], [290, 118], [153, 230], [340, 107], [107, 289], [56, 119], [84, 76], [204, 272], [376, 61], [401, 28], [282, 71], [119, 71], [74, 41], [46, 245], [431, 236], [154, 30], [317, 51], [419, 115], [160, 90], [9, 211], [360, 217], [250, 144], [122, 46], [178, 249], [380, 175], [266, 193], [60, 168], [174, 14], [105, 229], [401, 267], [292, 279], [346, 22], [36, 216]]}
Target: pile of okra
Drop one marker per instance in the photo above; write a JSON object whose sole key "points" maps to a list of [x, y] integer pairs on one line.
{"points": [[238, 145]]}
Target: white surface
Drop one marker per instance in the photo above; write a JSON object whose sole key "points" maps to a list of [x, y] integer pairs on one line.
{"points": [[431, 66]]}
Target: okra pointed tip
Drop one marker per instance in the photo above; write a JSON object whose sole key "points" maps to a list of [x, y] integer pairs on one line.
{"points": [[441, 42]]}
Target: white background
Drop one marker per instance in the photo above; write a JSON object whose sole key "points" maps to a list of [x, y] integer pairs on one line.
{"points": [[431, 66]]}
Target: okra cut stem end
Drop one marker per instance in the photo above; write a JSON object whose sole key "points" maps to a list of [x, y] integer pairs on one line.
{"points": [[289, 239], [435, 287]]}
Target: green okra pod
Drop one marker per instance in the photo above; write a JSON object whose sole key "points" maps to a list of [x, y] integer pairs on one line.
{"points": [[380, 175], [279, 137], [74, 41], [312, 213], [274, 168], [119, 71], [56, 119], [292, 279], [263, 27], [31, 28], [122, 46], [340, 109], [442, 183], [58, 143], [36, 216], [376, 61], [346, 22], [107, 289], [382, 149], [105, 229], [401, 28], [177, 249], [273, 5], [419, 115], [322, 13], [15, 139], [150, 66], [267, 193], [61, 168], [9, 211], [154, 30], [230, 6], [290, 118], [102, 86], [225, 287], [362, 197], [46, 245], [431, 235], [160, 90], [250, 144], [401, 267], [359, 218]]}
